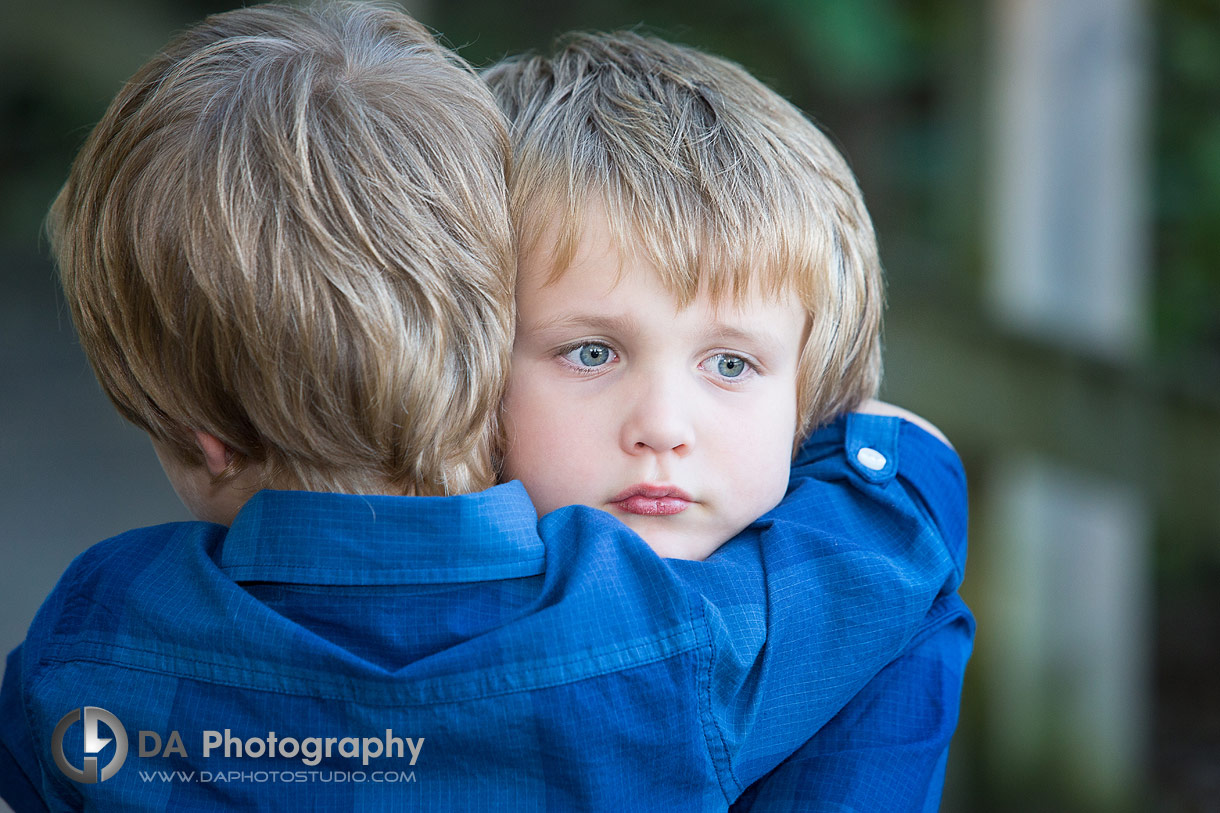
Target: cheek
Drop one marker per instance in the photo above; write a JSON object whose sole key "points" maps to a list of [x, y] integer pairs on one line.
{"points": [[547, 449], [769, 466], [768, 455]]}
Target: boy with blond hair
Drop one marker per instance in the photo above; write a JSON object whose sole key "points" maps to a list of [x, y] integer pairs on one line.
{"points": [[699, 286], [631, 153], [288, 253]]}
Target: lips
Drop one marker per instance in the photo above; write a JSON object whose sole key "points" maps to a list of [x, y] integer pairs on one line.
{"points": [[651, 500]]}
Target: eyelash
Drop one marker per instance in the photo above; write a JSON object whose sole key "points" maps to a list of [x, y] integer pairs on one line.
{"points": [[751, 367], [583, 369]]}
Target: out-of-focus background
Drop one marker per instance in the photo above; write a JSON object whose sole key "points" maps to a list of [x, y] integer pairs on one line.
{"points": [[1045, 180]]}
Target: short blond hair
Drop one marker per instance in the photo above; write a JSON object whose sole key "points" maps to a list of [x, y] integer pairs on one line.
{"points": [[719, 182], [290, 230]]}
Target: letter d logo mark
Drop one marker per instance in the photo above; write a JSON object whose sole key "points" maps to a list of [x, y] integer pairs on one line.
{"points": [[94, 743]]}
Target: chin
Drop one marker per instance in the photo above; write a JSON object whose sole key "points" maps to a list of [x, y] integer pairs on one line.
{"points": [[676, 546]]}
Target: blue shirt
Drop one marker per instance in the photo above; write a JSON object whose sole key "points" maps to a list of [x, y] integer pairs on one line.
{"points": [[456, 654]]}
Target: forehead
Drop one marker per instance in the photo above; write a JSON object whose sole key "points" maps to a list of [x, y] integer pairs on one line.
{"points": [[593, 252]]}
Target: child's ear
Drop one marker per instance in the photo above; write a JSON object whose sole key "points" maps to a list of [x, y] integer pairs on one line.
{"points": [[216, 455]]}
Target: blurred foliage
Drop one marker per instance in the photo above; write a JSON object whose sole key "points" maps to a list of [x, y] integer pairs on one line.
{"points": [[62, 61], [1187, 196]]}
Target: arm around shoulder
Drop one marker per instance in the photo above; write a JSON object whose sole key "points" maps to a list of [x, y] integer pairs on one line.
{"points": [[887, 749]]}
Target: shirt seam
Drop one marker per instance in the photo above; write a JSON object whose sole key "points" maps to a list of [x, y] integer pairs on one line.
{"points": [[265, 571], [716, 734], [50, 786], [332, 691], [943, 612], [27, 680]]}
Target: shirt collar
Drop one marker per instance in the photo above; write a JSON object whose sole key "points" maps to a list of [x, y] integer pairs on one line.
{"points": [[304, 537]]}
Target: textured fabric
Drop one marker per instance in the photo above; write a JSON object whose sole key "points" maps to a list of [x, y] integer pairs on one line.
{"points": [[887, 749], [503, 663]]}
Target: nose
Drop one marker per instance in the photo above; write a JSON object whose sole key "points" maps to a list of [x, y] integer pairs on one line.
{"points": [[659, 419]]}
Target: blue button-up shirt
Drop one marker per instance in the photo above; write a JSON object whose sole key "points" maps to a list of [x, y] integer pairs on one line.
{"points": [[336, 652]]}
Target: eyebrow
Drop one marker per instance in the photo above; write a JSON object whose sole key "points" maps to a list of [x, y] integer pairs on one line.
{"points": [[588, 321], [765, 340]]}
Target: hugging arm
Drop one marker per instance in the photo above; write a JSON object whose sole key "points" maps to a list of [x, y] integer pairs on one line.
{"points": [[842, 579], [886, 750]]}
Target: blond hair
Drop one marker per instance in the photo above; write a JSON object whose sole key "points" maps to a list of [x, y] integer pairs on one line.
{"points": [[719, 182], [290, 230]]}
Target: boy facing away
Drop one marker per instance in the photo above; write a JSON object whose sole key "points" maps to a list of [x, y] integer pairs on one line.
{"points": [[288, 254]]}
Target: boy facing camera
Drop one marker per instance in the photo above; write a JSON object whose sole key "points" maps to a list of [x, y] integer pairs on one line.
{"points": [[699, 287], [288, 253]]}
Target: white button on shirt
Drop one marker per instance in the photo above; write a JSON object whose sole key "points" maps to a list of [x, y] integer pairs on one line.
{"points": [[871, 458]]}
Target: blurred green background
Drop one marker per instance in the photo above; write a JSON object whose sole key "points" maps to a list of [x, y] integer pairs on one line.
{"points": [[988, 144]]}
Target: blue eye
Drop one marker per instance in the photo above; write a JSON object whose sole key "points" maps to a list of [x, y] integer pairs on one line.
{"points": [[730, 366], [594, 355], [589, 355]]}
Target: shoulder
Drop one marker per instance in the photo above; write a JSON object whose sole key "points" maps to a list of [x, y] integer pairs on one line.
{"points": [[874, 407], [928, 469], [80, 621], [98, 585], [121, 560], [894, 472]]}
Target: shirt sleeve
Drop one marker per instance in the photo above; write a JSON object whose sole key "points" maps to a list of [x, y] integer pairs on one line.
{"points": [[812, 601], [19, 770], [887, 749]]}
